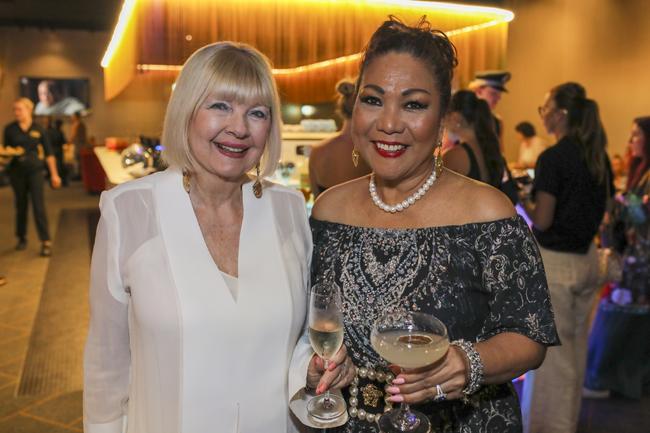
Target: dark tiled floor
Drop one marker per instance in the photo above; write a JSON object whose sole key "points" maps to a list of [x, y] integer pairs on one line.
{"points": [[57, 411], [60, 411]]}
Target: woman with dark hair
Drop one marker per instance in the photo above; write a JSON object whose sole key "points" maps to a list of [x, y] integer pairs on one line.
{"points": [[469, 123], [572, 183], [530, 147], [416, 236], [329, 162], [638, 180]]}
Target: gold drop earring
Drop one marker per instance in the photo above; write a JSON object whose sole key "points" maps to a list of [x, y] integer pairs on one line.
{"points": [[437, 160], [257, 186], [355, 157], [186, 181]]}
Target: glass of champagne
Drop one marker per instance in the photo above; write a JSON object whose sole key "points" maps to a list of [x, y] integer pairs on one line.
{"points": [[326, 338], [408, 340]]}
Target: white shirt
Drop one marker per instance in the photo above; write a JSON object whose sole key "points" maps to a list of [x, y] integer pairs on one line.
{"points": [[169, 348]]}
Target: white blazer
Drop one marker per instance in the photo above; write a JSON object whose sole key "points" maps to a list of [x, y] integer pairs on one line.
{"points": [[169, 349]]}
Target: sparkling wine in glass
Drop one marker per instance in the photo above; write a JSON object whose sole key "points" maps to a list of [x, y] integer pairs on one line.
{"points": [[409, 340], [326, 338]]}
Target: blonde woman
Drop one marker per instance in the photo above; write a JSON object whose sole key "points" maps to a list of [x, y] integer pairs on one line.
{"points": [[27, 140], [199, 273]]}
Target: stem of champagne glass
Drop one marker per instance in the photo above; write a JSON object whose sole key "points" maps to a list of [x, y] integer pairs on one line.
{"points": [[405, 421], [326, 399]]}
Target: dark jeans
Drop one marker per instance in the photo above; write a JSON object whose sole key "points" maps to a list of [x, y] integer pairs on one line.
{"points": [[27, 181]]}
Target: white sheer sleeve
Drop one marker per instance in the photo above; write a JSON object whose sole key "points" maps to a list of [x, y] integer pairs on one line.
{"points": [[302, 355], [107, 355]]}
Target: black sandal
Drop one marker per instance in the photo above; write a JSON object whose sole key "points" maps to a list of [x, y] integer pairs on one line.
{"points": [[46, 250]]}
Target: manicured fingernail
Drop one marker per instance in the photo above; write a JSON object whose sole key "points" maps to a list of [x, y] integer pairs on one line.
{"points": [[399, 381], [396, 398], [319, 390], [393, 389]]}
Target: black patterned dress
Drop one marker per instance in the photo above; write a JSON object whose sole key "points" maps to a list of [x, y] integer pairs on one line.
{"points": [[480, 279]]}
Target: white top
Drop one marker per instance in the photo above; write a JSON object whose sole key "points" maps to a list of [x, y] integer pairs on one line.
{"points": [[169, 349], [232, 283]]}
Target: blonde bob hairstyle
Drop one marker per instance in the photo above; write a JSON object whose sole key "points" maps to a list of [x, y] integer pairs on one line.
{"points": [[26, 102], [235, 72]]}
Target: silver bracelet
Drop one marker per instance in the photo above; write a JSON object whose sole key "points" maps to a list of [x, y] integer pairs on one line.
{"points": [[475, 366]]}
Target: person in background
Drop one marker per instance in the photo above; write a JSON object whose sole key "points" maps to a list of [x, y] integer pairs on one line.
{"points": [[200, 273], [57, 140], [50, 102], [638, 180], [530, 146], [78, 137], [570, 193], [26, 172], [490, 86], [416, 236], [619, 169], [476, 154], [335, 160]]}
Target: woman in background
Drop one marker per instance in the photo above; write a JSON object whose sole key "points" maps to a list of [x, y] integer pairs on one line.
{"points": [[329, 162], [638, 180], [476, 155], [26, 172], [572, 182], [530, 146]]}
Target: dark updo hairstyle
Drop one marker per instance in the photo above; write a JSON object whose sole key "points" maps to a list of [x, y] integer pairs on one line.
{"points": [[476, 113], [526, 129], [639, 165], [345, 103], [422, 42], [584, 126]]}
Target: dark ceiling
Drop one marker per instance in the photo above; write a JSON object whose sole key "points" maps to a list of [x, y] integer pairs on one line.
{"points": [[60, 14], [98, 15]]}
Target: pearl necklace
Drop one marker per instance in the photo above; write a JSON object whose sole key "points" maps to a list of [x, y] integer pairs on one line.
{"points": [[399, 207], [370, 393]]}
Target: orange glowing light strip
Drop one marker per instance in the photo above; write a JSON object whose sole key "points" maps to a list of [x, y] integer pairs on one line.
{"points": [[118, 34], [505, 16]]}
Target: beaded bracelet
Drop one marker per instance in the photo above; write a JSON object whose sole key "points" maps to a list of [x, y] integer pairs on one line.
{"points": [[475, 379]]}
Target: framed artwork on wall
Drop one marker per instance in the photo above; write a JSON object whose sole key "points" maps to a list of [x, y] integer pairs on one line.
{"points": [[57, 96]]}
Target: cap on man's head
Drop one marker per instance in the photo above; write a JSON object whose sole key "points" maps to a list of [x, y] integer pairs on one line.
{"points": [[495, 79]]}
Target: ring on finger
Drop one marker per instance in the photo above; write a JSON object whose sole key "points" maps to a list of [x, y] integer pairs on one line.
{"points": [[440, 394]]}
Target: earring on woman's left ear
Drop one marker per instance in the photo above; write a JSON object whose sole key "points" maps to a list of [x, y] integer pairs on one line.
{"points": [[257, 186], [437, 160], [187, 183]]}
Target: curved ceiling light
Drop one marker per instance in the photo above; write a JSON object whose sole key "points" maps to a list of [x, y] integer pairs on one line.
{"points": [[500, 16]]}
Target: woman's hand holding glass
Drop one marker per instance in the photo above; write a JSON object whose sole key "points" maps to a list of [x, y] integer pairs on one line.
{"points": [[421, 385], [326, 338], [339, 373]]}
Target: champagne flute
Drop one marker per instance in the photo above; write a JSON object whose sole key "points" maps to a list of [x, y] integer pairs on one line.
{"points": [[409, 340], [326, 338]]}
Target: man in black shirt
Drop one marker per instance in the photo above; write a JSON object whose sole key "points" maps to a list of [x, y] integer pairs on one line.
{"points": [[26, 172]]}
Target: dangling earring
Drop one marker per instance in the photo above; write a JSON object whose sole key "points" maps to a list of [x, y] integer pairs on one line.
{"points": [[355, 157], [257, 186], [186, 181], [437, 160]]}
